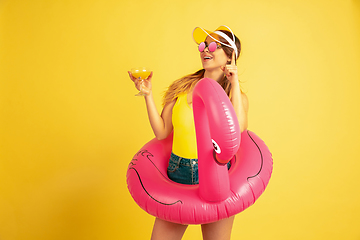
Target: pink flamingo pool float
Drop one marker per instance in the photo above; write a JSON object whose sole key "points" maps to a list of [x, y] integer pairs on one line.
{"points": [[221, 193]]}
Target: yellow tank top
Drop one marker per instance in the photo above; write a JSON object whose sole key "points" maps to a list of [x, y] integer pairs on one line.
{"points": [[184, 142]]}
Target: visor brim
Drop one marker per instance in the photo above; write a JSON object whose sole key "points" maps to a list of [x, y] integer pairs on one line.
{"points": [[200, 34]]}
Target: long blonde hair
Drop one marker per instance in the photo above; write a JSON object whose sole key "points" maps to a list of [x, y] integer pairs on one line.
{"points": [[187, 83]]}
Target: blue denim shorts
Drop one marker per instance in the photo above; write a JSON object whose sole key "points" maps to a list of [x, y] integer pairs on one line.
{"points": [[184, 170]]}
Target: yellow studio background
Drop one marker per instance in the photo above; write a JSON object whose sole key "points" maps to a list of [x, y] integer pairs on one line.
{"points": [[70, 123]]}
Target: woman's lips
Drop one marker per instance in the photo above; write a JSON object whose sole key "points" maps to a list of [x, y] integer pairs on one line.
{"points": [[207, 58]]}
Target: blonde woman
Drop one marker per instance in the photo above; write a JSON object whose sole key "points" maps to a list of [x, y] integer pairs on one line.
{"points": [[219, 51]]}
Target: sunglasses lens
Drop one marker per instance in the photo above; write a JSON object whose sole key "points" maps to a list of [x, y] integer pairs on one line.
{"points": [[201, 47], [212, 47]]}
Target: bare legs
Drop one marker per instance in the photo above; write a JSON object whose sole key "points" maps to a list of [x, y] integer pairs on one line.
{"points": [[167, 230], [220, 230]]}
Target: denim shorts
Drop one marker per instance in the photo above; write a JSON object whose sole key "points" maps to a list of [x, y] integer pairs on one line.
{"points": [[184, 170]]}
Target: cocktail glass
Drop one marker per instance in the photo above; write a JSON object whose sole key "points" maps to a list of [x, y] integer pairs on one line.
{"points": [[141, 74]]}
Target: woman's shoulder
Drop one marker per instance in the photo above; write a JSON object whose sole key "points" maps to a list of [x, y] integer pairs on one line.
{"points": [[171, 103], [245, 101], [243, 95]]}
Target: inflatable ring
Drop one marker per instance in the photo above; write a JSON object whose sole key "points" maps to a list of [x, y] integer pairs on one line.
{"points": [[221, 193]]}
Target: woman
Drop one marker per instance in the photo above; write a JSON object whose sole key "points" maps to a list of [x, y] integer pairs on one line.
{"points": [[219, 51]]}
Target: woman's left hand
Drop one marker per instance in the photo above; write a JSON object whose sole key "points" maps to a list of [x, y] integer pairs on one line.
{"points": [[230, 70]]}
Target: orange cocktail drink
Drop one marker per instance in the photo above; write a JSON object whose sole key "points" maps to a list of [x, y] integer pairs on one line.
{"points": [[141, 74]]}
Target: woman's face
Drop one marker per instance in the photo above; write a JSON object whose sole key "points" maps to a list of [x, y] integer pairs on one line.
{"points": [[213, 60]]}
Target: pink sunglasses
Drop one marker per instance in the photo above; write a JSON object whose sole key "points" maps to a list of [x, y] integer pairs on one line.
{"points": [[212, 46]]}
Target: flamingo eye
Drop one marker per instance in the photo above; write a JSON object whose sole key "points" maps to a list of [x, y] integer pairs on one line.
{"points": [[216, 147]]}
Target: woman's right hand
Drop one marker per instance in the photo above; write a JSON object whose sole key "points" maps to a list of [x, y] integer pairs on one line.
{"points": [[142, 85]]}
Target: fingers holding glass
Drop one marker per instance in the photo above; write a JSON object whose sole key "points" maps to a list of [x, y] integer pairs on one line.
{"points": [[138, 76]]}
